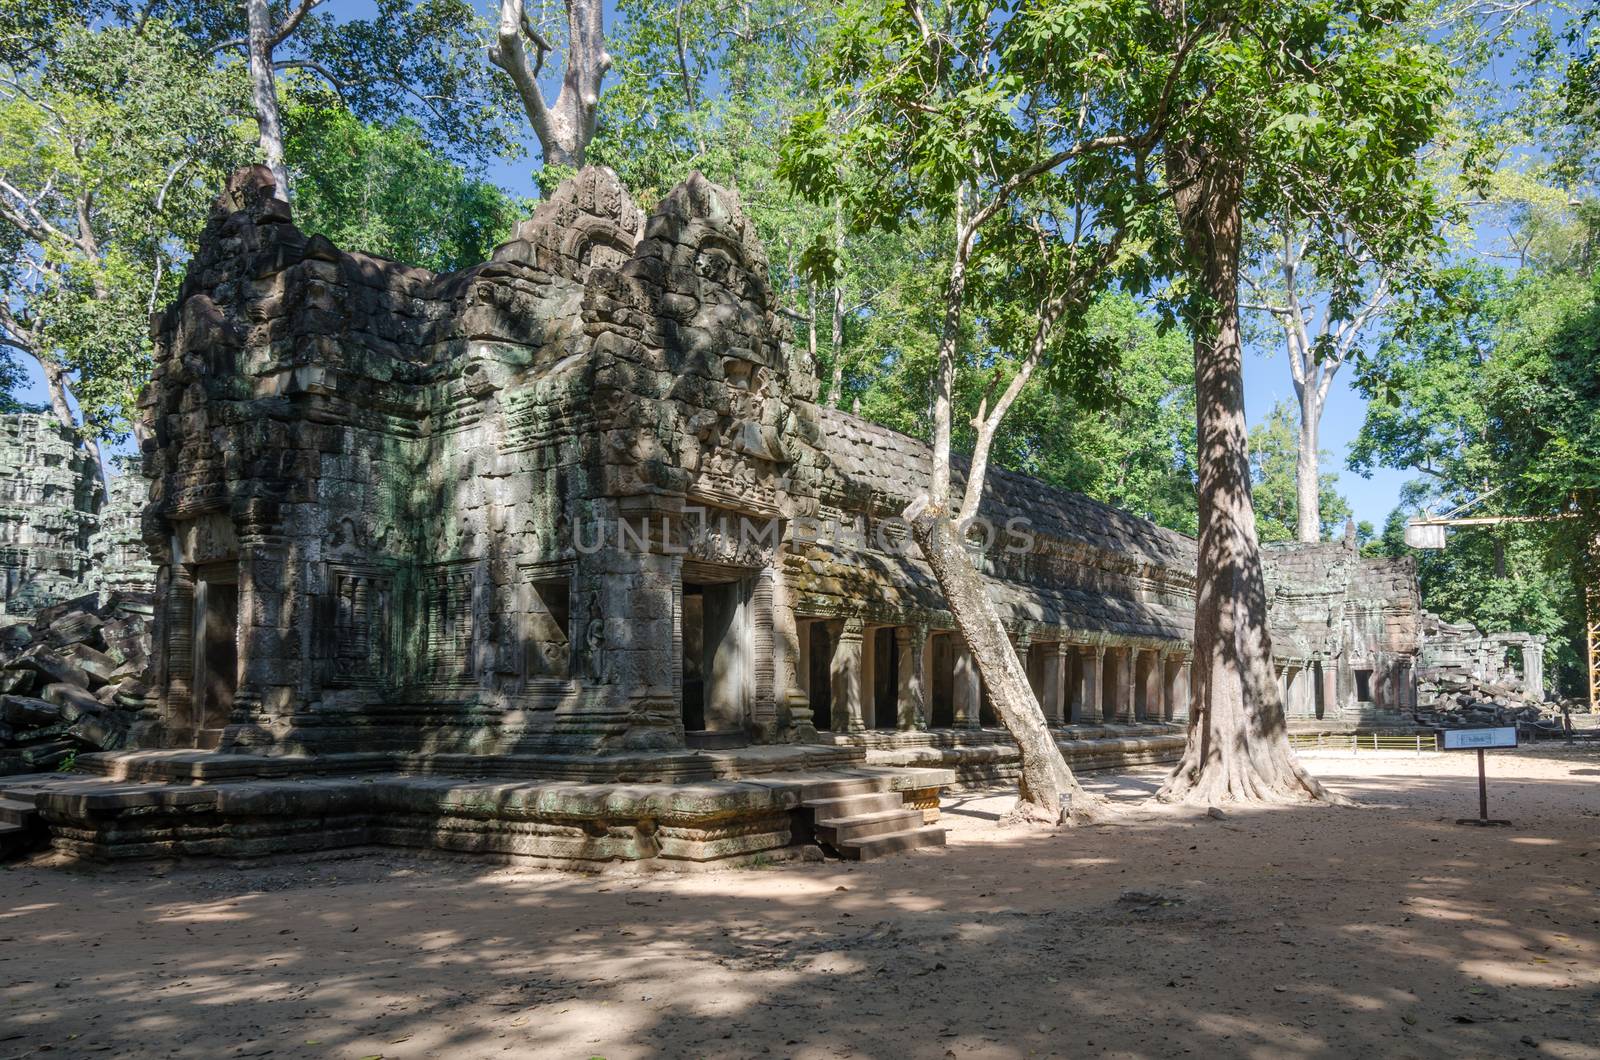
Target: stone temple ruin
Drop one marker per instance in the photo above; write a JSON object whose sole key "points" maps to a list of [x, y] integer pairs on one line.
{"points": [[575, 515], [59, 537]]}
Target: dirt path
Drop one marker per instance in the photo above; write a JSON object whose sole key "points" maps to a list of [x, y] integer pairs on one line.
{"points": [[1385, 930]]}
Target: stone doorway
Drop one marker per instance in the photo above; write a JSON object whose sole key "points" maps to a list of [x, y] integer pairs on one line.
{"points": [[819, 674], [216, 638], [942, 682], [885, 680], [717, 656]]}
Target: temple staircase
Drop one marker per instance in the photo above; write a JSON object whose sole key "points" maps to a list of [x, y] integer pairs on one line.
{"points": [[863, 818]]}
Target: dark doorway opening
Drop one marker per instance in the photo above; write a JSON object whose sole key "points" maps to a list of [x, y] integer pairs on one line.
{"points": [[885, 679], [1363, 686], [819, 676], [942, 694], [694, 681], [218, 678]]}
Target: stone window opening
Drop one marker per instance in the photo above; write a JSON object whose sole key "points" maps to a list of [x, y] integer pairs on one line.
{"points": [[549, 641], [1364, 685]]}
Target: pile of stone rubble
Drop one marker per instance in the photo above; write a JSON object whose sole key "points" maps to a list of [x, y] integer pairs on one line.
{"points": [[1450, 697], [72, 680]]}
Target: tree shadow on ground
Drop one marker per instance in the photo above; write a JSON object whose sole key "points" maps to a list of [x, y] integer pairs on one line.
{"points": [[1303, 932]]}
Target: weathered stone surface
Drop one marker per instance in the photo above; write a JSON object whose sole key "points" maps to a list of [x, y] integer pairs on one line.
{"points": [[580, 499]]}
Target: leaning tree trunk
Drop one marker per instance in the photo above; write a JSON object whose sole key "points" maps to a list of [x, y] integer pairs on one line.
{"points": [[1048, 792], [1238, 749], [264, 92]]}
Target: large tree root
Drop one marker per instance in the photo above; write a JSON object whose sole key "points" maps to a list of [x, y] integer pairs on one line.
{"points": [[1269, 777]]}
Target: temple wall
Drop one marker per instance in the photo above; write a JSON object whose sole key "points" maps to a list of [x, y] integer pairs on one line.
{"points": [[49, 497], [581, 497]]}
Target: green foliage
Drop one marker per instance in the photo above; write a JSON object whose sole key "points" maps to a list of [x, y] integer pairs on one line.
{"points": [[408, 59], [112, 145], [1489, 385], [1274, 452], [1136, 451], [381, 189]]}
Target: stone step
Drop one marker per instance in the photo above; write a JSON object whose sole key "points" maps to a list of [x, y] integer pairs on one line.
{"points": [[813, 791], [892, 843], [15, 811], [846, 806], [19, 839], [866, 825], [715, 739]]}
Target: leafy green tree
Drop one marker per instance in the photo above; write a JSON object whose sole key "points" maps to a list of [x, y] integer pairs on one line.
{"points": [[1135, 449], [382, 190], [1316, 111], [112, 145], [1025, 133], [1274, 478]]}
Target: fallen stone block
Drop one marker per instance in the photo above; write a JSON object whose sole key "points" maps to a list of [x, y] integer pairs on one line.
{"points": [[102, 732], [22, 711], [76, 627], [73, 701], [20, 682], [97, 664], [46, 616], [44, 660]]}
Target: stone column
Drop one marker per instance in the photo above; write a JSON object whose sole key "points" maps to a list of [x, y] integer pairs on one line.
{"points": [[1124, 692], [967, 691], [1171, 674], [1055, 682], [1152, 686], [845, 673], [1330, 689], [1091, 661], [911, 643], [1181, 703], [1533, 668]]}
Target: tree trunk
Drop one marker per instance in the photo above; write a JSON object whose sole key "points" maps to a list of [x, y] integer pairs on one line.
{"points": [[1048, 792], [1308, 487], [836, 388], [264, 92], [565, 127], [1238, 749]]}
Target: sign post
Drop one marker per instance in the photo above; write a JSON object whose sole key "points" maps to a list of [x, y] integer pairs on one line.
{"points": [[1479, 740]]}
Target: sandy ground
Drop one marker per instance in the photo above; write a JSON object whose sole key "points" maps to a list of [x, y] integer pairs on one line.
{"points": [[1385, 930]]}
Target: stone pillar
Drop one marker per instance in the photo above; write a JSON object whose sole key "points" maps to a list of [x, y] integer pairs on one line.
{"points": [[911, 643], [1171, 675], [1091, 665], [869, 677], [845, 673], [968, 692], [1533, 668], [1152, 686], [1124, 688], [1330, 690], [1181, 707], [1055, 682]]}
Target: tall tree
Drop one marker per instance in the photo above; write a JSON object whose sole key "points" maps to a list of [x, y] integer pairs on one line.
{"points": [[1275, 481], [1318, 340], [1322, 107], [1026, 132], [566, 125], [382, 190], [416, 59], [112, 145]]}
